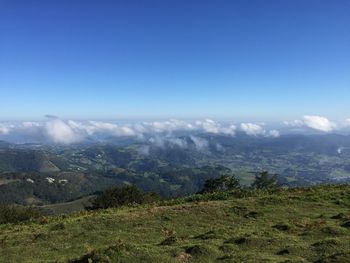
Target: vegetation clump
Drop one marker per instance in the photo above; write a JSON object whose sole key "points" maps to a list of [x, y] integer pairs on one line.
{"points": [[16, 214], [122, 196]]}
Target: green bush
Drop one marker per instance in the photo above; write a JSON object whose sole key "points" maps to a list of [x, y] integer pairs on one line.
{"points": [[122, 196], [15, 214]]}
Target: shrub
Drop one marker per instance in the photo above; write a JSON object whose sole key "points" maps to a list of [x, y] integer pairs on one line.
{"points": [[122, 196], [16, 214]]}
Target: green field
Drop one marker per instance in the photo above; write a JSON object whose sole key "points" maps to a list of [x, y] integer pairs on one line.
{"points": [[296, 225]]}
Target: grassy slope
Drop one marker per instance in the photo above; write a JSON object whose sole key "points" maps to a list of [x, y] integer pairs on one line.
{"points": [[231, 230]]}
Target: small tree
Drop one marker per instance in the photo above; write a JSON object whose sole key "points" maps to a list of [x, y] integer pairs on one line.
{"points": [[264, 181], [222, 183]]}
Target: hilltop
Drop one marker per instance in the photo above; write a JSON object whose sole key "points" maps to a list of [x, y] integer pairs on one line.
{"points": [[286, 225]]}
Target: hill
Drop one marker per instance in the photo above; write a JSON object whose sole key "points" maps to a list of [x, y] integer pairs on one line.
{"points": [[175, 166], [287, 225]]}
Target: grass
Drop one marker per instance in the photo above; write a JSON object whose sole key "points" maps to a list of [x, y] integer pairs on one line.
{"points": [[297, 225]]}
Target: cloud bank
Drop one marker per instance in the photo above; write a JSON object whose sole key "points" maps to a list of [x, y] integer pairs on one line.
{"points": [[56, 130], [61, 131]]}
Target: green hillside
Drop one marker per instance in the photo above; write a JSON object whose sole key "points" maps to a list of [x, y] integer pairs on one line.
{"points": [[295, 225]]}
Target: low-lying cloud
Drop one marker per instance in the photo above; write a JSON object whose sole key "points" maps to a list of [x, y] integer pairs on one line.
{"points": [[61, 131], [200, 143], [4, 130], [319, 123], [159, 133], [254, 129], [315, 122]]}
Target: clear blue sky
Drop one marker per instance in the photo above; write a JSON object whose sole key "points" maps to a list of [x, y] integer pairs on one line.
{"points": [[260, 59]]}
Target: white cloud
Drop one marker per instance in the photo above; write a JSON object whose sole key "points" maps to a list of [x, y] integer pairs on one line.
{"points": [[30, 124], [110, 128], [157, 141], [211, 126], [60, 132], [219, 147], [295, 123], [166, 126], [208, 126], [4, 130], [178, 142], [319, 123], [274, 133], [314, 122], [162, 141], [143, 150], [57, 130], [252, 129], [200, 143]]}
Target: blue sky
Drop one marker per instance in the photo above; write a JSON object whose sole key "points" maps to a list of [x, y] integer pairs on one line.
{"points": [[256, 60]]}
